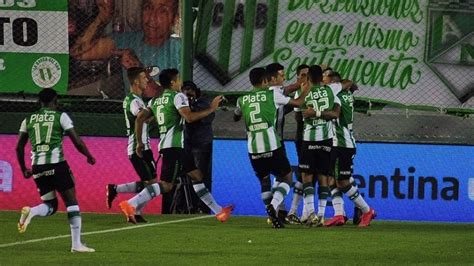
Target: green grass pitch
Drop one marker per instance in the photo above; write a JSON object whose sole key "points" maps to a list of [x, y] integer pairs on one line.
{"points": [[201, 240]]}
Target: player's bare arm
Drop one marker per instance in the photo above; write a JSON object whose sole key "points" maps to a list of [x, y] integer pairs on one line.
{"points": [[191, 116], [327, 114], [237, 115], [142, 117], [20, 154], [305, 86], [80, 145]]}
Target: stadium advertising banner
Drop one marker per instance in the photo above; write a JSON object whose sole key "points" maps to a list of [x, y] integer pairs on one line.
{"points": [[33, 45], [112, 166], [401, 181], [410, 51]]}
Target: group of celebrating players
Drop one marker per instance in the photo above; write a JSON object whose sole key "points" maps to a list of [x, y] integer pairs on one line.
{"points": [[324, 111]]}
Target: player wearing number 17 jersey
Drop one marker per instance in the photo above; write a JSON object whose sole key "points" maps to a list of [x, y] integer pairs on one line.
{"points": [[171, 109], [50, 171], [267, 156]]}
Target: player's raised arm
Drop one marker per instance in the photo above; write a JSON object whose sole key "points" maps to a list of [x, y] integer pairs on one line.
{"points": [[80, 145], [191, 116], [305, 86]]}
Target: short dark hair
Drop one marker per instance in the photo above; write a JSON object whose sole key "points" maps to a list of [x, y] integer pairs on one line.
{"points": [[273, 68], [175, 6], [189, 85], [301, 67], [133, 73], [335, 76], [257, 75], [315, 74], [47, 95], [167, 75]]}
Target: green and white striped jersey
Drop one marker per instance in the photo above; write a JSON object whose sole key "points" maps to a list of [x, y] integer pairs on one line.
{"points": [[170, 123], [45, 130], [344, 136], [259, 109], [132, 104], [320, 98]]}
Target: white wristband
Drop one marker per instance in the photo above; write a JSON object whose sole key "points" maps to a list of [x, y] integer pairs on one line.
{"points": [[318, 113]]}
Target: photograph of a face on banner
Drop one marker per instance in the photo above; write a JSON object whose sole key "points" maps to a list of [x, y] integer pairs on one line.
{"points": [[106, 37]]}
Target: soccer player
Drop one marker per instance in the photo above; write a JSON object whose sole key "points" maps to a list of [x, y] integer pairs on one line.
{"points": [[344, 152], [301, 75], [322, 105], [276, 78], [267, 156], [144, 166], [170, 110], [50, 171]]}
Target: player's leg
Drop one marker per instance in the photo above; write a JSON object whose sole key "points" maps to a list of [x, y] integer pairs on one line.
{"points": [[64, 183], [344, 184], [307, 168], [42, 176], [171, 167], [145, 168], [297, 187], [323, 168]]}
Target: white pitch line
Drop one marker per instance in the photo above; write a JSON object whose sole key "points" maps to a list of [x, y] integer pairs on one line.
{"points": [[103, 231]]}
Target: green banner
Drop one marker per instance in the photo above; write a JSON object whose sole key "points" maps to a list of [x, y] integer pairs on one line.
{"points": [[405, 51], [34, 45]]}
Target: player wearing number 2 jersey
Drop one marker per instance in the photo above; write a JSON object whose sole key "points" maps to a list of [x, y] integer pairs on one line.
{"points": [[171, 109], [51, 173], [267, 156]]}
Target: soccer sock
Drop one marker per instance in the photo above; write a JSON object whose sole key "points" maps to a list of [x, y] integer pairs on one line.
{"points": [[75, 221], [206, 197], [353, 194], [150, 192], [267, 197], [42, 209], [139, 209], [308, 197], [323, 194], [337, 201], [297, 195], [274, 187], [127, 188], [279, 195]]}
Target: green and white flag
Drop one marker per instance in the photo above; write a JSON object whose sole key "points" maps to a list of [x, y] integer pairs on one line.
{"points": [[34, 49]]}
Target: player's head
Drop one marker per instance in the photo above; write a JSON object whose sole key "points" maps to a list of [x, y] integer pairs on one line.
{"points": [[158, 19], [138, 79], [275, 74], [315, 74], [352, 86], [330, 76], [169, 79], [191, 90], [302, 73], [258, 77], [48, 97]]}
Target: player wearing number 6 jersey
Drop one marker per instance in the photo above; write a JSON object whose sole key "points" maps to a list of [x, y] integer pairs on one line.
{"points": [[267, 156], [50, 171], [170, 110]]}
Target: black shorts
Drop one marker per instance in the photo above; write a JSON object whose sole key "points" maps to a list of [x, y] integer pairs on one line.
{"points": [[53, 177], [274, 162], [316, 157], [175, 162], [145, 167], [342, 162]]}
